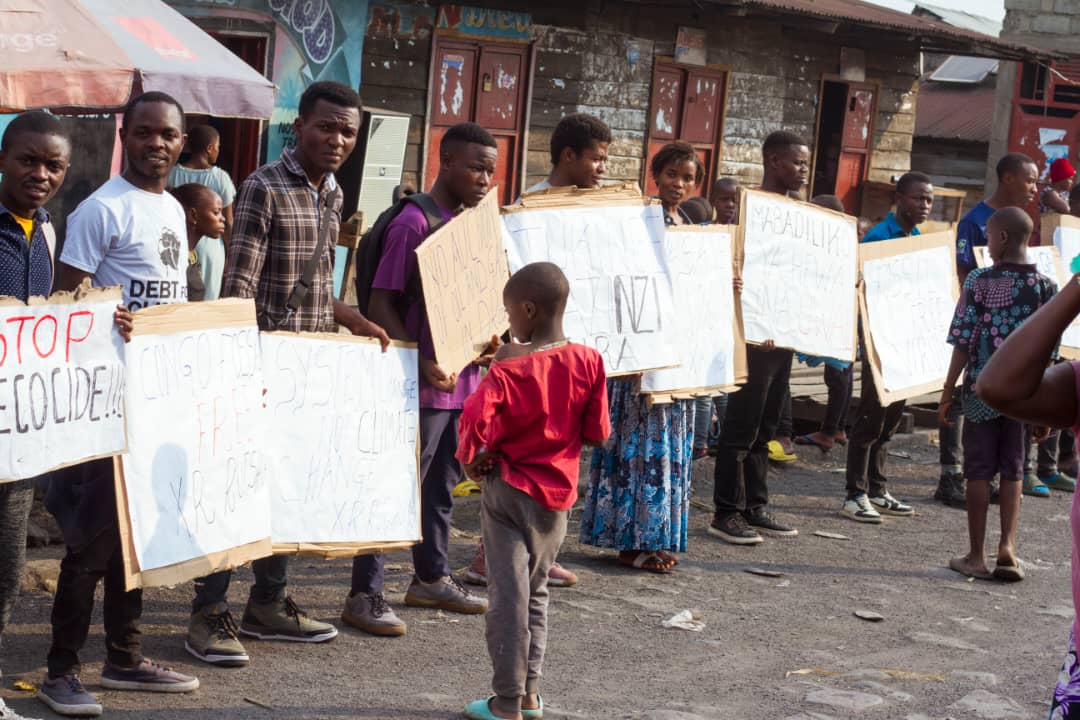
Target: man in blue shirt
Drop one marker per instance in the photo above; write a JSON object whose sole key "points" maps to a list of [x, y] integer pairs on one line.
{"points": [[867, 496], [34, 156], [1017, 184]]}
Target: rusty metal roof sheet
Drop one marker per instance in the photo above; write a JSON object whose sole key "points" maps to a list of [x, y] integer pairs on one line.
{"points": [[955, 112], [932, 35]]}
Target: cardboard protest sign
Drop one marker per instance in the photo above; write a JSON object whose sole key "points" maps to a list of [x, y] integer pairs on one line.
{"points": [[908, 297], [193, 487], [463, 270], [1050, 262], [610, 244], [342, 433], [712, 352], [61, 382], [799, 272], [1062, 231]]}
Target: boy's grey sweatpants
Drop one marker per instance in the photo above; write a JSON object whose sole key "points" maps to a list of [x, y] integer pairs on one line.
{"points": [[521, 539]]}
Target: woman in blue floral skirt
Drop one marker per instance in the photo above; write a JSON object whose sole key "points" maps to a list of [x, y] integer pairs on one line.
{"points": [[638, 497]]}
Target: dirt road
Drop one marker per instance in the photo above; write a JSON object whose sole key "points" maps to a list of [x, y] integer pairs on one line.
{"points": [[772, 647]]}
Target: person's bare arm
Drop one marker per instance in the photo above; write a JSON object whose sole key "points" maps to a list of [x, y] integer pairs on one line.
{"points": [[354, 321], [956, 366], [1016, 380], [1056, 203], [68, 278]]}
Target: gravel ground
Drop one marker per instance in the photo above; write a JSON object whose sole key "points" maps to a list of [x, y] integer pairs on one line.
{"points": [[771, 647]]}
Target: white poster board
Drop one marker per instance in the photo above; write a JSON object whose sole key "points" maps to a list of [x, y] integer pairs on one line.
{"points": [[612, 251], [711, 350], [196, 472], [343, 429], [61, 382], [800, 265], [910, 292]]}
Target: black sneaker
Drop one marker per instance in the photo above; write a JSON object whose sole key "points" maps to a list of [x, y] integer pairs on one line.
{"points": [[733, 529], [760, 519], [950, 490]]}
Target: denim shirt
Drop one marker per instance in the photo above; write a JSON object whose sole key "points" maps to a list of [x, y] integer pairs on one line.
{"points": [[25, 269]]}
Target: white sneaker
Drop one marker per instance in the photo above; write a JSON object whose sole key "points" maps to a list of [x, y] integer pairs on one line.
{"points": [[859, 509], [7, 713], [888, 505]]}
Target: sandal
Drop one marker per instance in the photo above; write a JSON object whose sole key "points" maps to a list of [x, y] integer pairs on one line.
{"points": [[481, 710], [1008, 573], [960, 565], [647, 561], [667, 557], [810, 440]]}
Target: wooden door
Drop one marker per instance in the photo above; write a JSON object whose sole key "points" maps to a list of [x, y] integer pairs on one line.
{"points": [[687, 105], [855, 141], [483, 83], [240, 138]]}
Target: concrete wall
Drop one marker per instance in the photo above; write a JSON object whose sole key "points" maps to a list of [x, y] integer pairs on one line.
{"points": [[598, 57], [1050, 24]]}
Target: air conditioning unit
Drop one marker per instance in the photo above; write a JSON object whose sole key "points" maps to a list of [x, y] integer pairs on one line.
{"points": [[368, 180]]}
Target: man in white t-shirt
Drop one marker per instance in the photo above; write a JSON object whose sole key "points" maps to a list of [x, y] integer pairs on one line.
{"points": [[130, 232]]}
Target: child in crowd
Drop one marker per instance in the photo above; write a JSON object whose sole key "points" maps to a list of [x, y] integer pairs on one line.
{"points": [[698, 210], [725, 200], [202, 209], [204, 146], [993, 304], [522, 432]]}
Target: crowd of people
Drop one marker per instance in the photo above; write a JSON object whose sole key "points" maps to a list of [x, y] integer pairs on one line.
{"points": [[518, 418]]}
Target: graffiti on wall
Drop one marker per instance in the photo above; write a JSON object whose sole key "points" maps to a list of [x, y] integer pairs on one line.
{"points": [[313, 40], [400, 21], [483, 22]]}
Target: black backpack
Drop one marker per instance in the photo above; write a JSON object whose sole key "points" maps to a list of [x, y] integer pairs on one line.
{"points": [[370, 251]]}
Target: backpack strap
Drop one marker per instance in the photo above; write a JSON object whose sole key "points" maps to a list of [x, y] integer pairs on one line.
{"points": [[431, 210], [434, 217]]}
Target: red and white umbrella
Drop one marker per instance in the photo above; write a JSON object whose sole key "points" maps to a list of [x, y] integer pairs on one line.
{"points": [[94, 54]]}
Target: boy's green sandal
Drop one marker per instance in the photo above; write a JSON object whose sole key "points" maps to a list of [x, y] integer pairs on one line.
{"points": [[1059, 481], [481, 710], [1034, 487]]}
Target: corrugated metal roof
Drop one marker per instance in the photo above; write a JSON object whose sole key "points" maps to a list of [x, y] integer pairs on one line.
{"points": [[932, 35], [966, 20], [955, 112]]}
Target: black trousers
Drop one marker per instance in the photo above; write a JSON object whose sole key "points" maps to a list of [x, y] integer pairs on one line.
{"points": [[97, 558], [751, 420], [841, 386], [873, 429], [439, 473]]}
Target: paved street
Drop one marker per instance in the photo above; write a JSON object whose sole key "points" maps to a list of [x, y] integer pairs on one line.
{"points": [[772, 647]]}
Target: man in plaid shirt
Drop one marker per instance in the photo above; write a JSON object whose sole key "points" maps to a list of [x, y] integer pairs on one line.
{"points": [[276, 231]]}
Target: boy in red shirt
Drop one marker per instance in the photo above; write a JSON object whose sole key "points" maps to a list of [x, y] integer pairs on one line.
{"points": [[522, 431]]}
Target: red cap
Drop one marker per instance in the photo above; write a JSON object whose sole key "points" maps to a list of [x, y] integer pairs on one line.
{"points": [[1061, 169]]}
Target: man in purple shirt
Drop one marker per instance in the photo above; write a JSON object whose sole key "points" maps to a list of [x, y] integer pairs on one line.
{"points": [[467, 156]]}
